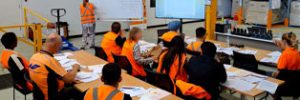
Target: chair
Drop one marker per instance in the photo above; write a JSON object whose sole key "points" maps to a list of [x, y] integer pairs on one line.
{"points": [[19, 83], [99, 52], [246, 61], [123, 62], [160, 32], [224, 58], [160, 80], [291, 86]]}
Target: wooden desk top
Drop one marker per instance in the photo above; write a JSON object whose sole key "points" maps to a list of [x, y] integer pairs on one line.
{"points": [[88, 59]]}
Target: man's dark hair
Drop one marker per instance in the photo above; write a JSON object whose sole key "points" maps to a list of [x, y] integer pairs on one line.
{"points": [[200, 32], [116, 27], [209, 49], [9, 40], [111, 73]]}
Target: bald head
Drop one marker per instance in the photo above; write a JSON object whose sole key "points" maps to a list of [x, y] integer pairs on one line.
{"points": [[53, 43]]}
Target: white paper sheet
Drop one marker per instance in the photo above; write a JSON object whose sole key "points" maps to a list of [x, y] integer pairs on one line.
{"points": [[154, 94], [68, 54], [227, 66], [252, 79], [86, 76], [96, 69], [238, 84], [275, 54], [146, 46], [133, 90], [60, 57], [231, 74], [273, 59], [267, 86], [252, 52]]}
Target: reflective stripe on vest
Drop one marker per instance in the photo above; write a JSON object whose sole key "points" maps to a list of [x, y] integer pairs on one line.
{"points": [[109, 97]]}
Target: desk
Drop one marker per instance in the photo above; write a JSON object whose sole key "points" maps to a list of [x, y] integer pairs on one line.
{"points": [[259, 55], [254, 92], [88, 59]]}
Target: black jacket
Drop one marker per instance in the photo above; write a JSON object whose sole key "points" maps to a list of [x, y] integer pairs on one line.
{"points": [[206, 72]]}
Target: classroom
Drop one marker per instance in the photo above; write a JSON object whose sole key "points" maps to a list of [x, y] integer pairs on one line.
{"points": [[149, 50]]}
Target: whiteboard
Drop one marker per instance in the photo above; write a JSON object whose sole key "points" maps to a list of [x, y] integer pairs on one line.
{"points": [[118, 9], [185, 9]]}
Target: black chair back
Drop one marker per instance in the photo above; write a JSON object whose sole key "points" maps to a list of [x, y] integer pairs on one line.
{"points": [[19, 82], [291, 86], [245, 61], [123, 62], [224, 58], [160, 80], [99, 52], [160, 32]]}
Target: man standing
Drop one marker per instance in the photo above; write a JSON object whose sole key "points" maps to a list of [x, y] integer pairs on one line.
{"points": [[88, 24]]}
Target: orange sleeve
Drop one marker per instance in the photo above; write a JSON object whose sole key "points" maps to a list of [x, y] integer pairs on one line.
{"points": [[58, 69], [189, 47], [282, 62]]}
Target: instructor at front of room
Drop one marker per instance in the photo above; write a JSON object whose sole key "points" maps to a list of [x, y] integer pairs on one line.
{"points": [[87, 13]]}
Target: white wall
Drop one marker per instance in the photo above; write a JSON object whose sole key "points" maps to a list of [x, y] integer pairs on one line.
{"points": [[10, 14]]}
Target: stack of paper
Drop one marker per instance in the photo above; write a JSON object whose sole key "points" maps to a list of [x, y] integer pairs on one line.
{"points": [[227, 66], [154, 94], [86, 76], [146, 46], [251, 52], [275, 54], [65, 61], [96, 69], [133, 90]]}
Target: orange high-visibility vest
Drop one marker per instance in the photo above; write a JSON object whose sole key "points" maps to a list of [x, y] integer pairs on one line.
{"points": [[87, 13], [175, 73], [137, 70], [104, 92], [189, 89], [6, 54], [110, 46], [195, 46], [169, 36]]}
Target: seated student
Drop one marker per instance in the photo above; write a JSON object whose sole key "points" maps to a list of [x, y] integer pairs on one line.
{"points": [[111, 76], [174, 29], [16, 63], [172, 60], [113, 41], [195, 47], [205, 71], [288, 61], [290, 57], [46, 72], [131, 49]]}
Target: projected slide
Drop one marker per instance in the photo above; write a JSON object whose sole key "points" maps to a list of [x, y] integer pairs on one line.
{"points": [[186, 9]]}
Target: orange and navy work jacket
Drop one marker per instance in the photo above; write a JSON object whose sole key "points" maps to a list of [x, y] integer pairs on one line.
{"points": [[195, 46], [128, 49], [104, 92], [47, 73], [110, 46], [87, 13], [289, 60]]}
